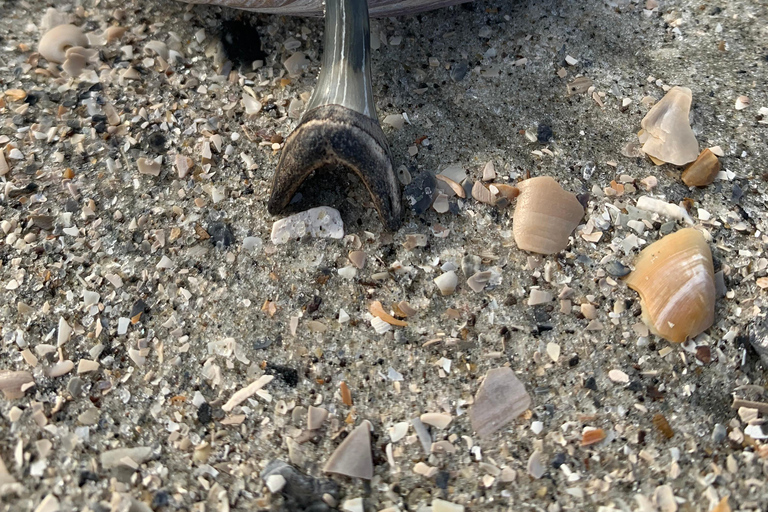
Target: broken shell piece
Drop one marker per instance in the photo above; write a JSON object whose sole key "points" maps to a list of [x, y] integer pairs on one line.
{"points": [[353, 456], [316, 417], [500, 399], [667, 134], [377, 310], [357, 258], [592, 436], [482, 194], [742, 102], [406, 309], [508, 192], [489, 171], [436, 419], [478, 281], [458, 189], [447, 282], [54, 43], [148, 166], [545, 216], [13, 384], [702, 172], [675, 279]]}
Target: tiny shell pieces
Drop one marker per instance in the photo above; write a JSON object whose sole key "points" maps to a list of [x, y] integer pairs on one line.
{"points": [[545, 216], [675, 279]]}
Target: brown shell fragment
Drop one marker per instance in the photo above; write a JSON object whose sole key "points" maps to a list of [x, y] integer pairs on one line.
{"points": [[545, 216], [377, 309], [592, 436], [702, 172], [457, 188], [662, 425], [507, 191], [675, 279]]}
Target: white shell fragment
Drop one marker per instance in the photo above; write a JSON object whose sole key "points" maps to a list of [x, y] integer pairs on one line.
{"points": [[436, 419], [667, 135], [500, 399], [479, 280], [353, 457], [54, 44], [247, 392], [14, 383], [447, 282], [125, 456], [536, 467], [322, 222]]}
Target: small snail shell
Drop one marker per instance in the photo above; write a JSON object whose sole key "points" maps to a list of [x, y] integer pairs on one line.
{"points": [[676, 282], [545, 216], [54, 43]]}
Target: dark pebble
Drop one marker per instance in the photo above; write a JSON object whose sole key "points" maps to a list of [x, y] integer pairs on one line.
{"points": [[544, 133], [558, 460], [285, 373], [218, 414], [139, 308], [441, 479], [85, 477], [617, 269], [204, 413], [573, 361], [635, 386], [591, 383], [421, 192], [161, 499], [157, 142], [221, 235]]}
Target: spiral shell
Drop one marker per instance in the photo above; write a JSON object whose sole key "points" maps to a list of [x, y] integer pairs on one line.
{"points": [[675, 279], [545, 216]]}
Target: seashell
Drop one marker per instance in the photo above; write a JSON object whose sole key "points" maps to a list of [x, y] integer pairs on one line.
{"points": [[447, 282], [353, 457], [702, 172], [13, 383], [508, 192], [482, 194], [500, 399], [662, 425], [545, 216], [667, 135], [377, 310], [675, 279], [592, 436], [457, 189], [489, 171], [54, 43], [406, 309]]}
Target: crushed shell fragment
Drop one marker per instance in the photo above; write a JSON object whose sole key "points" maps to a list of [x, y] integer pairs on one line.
{"points": [[703, 171], [675, 279], [667, 135], [545, 216]]}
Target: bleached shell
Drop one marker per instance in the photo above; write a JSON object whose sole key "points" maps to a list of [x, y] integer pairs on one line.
{"points": [[545, 216], [675, 279], [54, 43]]}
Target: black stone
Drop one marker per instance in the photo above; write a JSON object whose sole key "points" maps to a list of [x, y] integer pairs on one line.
{"points": [[156, 142], [161, 499], [204, 413], [85, 477], [558, 460], [241, 41], [441, 479], [285, 373], [421, 192], [591, 383], [573, 361], [139, 308], [221, 235], [544, 133]]}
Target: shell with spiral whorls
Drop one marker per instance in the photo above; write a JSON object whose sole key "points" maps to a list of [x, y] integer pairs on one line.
{"points": [[377, 8]]}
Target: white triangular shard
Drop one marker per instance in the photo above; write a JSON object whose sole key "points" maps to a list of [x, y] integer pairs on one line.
{"points": [[353, 456], [667, 134]]}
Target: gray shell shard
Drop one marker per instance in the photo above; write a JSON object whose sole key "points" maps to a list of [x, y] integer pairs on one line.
{"points": [[376, 8]]}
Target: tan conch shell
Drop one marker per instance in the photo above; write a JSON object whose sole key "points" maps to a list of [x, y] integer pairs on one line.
{"points": [[545, 216], [676, 282]]}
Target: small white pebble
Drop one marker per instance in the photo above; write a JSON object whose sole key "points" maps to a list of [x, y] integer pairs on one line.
{"points": [[618, 376], [275, 483]]}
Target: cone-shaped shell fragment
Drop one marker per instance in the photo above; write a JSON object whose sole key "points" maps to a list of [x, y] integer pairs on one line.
{"points": [[676, 282], [545, 216], [667, 133], [353, 456]]}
